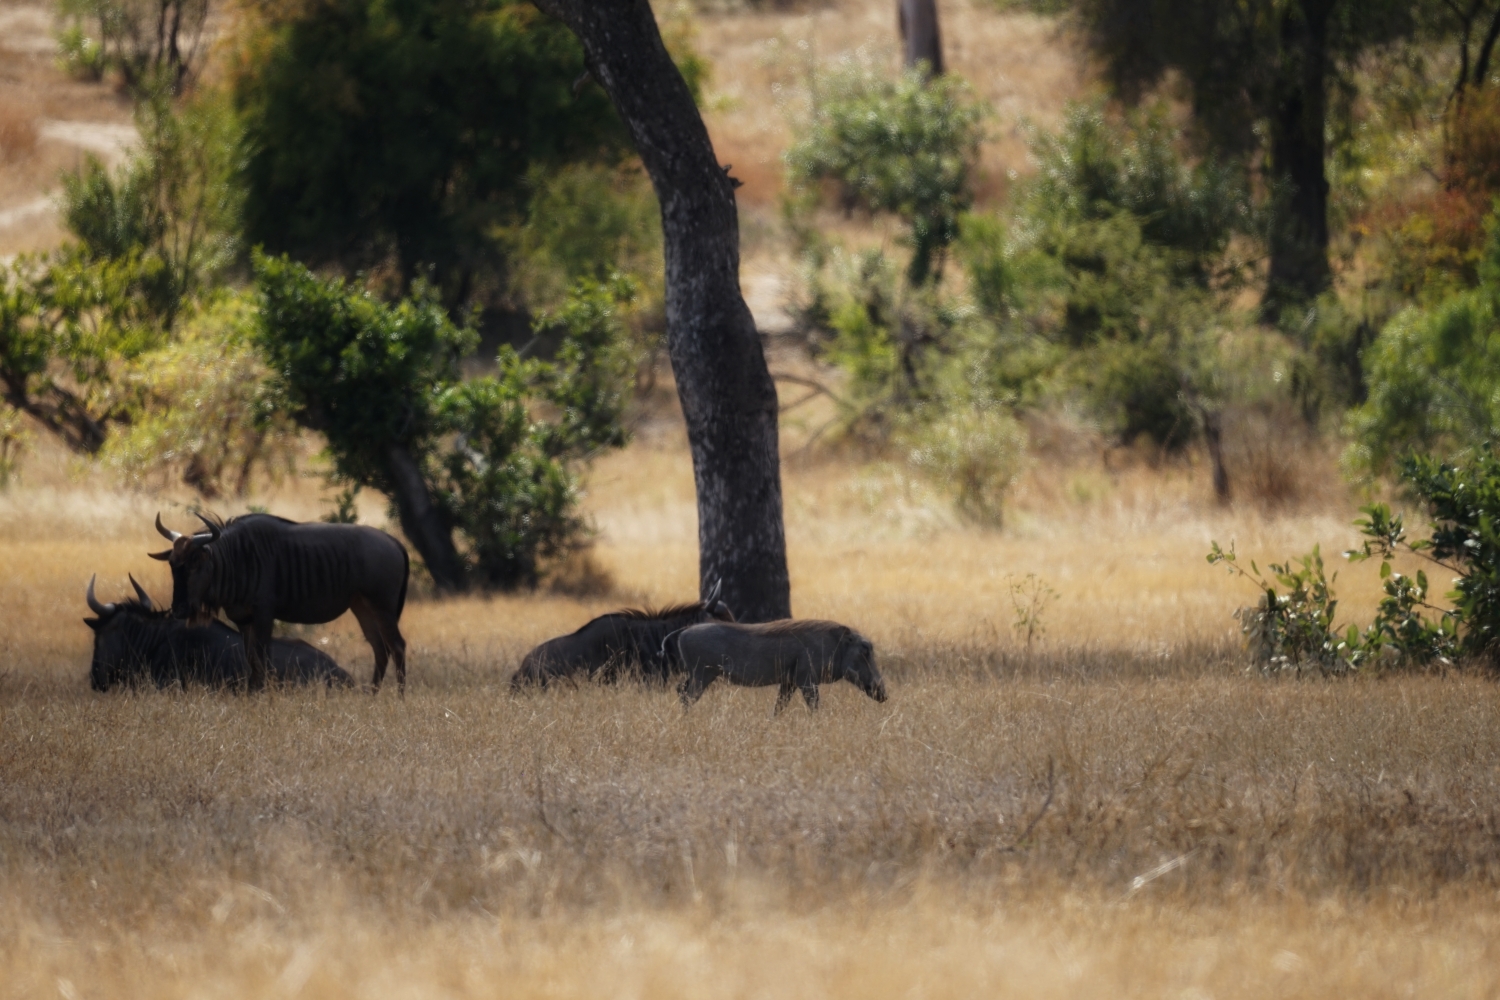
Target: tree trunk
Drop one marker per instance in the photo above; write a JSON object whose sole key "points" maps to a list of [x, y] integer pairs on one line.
{"points": [[1213, 437], [422, 523], [1299, 268], [727, 395], [920, 39]]}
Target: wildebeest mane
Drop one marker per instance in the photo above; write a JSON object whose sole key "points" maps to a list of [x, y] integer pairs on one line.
{"points": [[652, 614]]}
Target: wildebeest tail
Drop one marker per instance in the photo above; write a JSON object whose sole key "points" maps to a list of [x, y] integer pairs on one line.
{"points": [[405, 579], [665, 660]]}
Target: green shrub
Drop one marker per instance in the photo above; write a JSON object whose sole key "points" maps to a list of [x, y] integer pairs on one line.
{"points": [[1118, 254], [64, 321], [497, 455], [904, 146], [81, 55], [1434, 376], [1096, 169], [173, 208], [1295, 630], [197, 407], [585, 222], [973, 454]]}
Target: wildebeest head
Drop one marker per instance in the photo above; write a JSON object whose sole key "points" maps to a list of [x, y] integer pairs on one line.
{"points": [[857, 666], [115, 641], [191, 560]]}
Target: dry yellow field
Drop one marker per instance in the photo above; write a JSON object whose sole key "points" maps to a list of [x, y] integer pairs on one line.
{"points": [[1117, 811]]}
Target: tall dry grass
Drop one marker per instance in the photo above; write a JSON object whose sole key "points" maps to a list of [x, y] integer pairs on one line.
{"points": [[1117, 810]]}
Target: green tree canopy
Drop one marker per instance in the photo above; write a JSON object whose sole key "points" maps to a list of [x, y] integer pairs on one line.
{"points": [[1260, 74], [401, 131]]}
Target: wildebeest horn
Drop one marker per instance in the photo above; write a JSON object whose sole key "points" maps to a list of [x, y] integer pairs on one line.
{"points": [[166, 532], [213, 529], [94, 605], [141, 593]]}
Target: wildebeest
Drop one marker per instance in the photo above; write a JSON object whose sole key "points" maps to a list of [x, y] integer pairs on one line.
{"points": [[134, 642], [259, 568], [614, 643], [797, 654]]}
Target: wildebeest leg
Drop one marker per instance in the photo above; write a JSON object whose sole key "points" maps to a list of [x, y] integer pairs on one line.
{"points": [[258, 650], [692, 688], [369, 624]]}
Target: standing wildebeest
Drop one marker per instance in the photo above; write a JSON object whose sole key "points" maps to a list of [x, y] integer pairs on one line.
{"points": [[133, 641], [618, 641], [259, 568], [796, 654]]}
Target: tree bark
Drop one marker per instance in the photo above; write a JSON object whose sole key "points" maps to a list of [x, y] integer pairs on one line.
{"points": [[727, 395], [422, 523], [1299, 268], [920, 39]]}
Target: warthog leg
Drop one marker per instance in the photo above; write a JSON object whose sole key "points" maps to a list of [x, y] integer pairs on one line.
{"points": [[784, 696], [692, 688], [807, 680]]}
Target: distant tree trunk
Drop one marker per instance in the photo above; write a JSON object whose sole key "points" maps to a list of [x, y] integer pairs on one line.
{"points": [[727, 394], [1213, 437], [423, 523], [1299, 268], [920, 39]]}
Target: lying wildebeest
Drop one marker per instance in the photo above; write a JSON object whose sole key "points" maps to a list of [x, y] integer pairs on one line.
{"points": [[260, 568], [614, 643], [798, 654], [133, 642]]}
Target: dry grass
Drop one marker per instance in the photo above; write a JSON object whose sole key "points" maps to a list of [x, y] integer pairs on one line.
{"points": [[1117, 811]]}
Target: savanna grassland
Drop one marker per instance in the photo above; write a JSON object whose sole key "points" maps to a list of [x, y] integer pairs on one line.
{"points": [[1119, 809], [1106, 803]]}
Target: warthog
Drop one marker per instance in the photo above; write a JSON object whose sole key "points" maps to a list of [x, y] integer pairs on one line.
{"points": [[796, 654], [615, 643], [260, 569], [134, 642]]}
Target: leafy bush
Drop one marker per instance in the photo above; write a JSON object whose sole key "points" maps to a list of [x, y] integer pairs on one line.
{"points": [[197, 407], [495, 456], [1433, 379], [584, 222], [1095, 170], [13, 441], [1295, 630], [80, 54], [173, 209], [1292, 632], [1432, 244], [64, 319], [904, 146], [974, 455]]}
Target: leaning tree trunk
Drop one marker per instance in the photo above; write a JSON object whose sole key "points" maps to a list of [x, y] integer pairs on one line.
{"points": [[422, 523], [1299, 268], [920, 39], [727, 394]]}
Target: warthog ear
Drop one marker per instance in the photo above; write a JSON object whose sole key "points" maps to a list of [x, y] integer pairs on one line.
{"points": [[163, 556]]}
